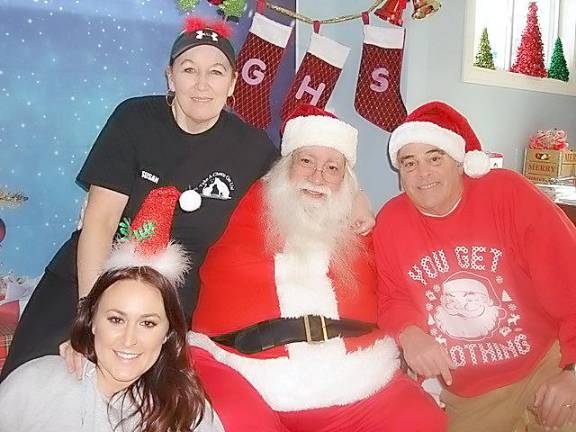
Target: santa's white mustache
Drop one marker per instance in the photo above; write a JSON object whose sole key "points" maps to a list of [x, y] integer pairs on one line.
{"points": [[309, 186]]}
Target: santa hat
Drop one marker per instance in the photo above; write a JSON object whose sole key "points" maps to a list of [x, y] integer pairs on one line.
{"points": [[440, 125], [308, 125], [146, 241]]}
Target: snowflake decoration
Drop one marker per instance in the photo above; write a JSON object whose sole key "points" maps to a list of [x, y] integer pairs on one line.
{"points": [[436, 288], [512, 307], [499, 279]]}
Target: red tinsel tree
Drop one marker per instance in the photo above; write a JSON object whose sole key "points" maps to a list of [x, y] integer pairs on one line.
{"points": [[530, 55]]}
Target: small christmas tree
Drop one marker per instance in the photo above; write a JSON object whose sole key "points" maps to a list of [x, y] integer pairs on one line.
{"points": [[558, 67], [530, 55], [233, 8], [484, 58]]}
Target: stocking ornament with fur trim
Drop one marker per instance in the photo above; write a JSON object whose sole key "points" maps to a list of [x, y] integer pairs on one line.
{"points": [[317, 75], [378, 97], [258, 63]]}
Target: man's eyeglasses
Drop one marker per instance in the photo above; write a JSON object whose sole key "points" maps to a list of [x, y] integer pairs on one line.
{"points": [[332, 172]]}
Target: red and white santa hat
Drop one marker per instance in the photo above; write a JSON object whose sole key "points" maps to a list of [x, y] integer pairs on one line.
{"points": [[308, 125], [146, 241], [440, 125]]}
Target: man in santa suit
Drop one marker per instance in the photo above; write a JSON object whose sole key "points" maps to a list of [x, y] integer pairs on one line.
{"points": [[284, 335]]}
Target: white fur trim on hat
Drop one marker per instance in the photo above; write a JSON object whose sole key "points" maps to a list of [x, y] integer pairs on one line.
{"points": [[316, 130], [476, 163], [426, 133], [172, 262]]}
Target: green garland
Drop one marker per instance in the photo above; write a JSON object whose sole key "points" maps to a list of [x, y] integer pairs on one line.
{"points": [[11, 199], [187, 5], [233, 8]]}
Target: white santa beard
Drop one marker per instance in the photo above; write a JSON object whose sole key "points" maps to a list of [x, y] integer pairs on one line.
{"points": [[301, 224], [466, 327]]}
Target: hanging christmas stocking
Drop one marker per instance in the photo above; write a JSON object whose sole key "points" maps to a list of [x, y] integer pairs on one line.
{"points": [[317, 75], [258, 62], [378, 97]]}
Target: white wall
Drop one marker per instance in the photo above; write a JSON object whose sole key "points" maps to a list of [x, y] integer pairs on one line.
{"points": [[503, 118]]}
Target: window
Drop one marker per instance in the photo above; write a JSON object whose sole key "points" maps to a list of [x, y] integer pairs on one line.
{"points": [[505, 21]]}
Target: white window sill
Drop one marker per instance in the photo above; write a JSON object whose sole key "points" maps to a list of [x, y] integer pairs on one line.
{"points": [[502, 78]]}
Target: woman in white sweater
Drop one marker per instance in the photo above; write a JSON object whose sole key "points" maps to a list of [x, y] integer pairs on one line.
{"points": [[131, 329]]}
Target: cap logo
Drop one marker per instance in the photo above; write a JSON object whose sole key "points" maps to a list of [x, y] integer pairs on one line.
{"points": [[201, 34]]}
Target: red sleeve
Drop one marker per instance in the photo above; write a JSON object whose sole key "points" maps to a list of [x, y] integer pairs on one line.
{"points": [[548, 249], [397, 309]]}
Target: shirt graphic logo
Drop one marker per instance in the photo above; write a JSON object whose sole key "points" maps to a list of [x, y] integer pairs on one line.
{"points": [[202, 34], [217, 185], [153, 178]]}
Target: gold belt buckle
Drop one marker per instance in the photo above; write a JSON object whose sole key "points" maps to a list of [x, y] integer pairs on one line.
{"points": [[309, 333]]}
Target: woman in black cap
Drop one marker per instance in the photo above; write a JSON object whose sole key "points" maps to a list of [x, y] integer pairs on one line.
{"points": [[185, 139]]}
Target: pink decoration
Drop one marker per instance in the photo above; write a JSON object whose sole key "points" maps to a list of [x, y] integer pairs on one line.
{"points": [[552, 139]]}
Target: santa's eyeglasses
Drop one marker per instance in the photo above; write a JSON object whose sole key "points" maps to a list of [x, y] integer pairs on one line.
{"points": [[332, 172]]}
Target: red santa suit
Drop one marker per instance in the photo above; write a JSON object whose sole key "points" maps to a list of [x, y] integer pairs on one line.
{"points": [[243, 284]]}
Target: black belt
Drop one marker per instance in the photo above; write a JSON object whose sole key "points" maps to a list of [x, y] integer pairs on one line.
{"points": [[281, 331]]}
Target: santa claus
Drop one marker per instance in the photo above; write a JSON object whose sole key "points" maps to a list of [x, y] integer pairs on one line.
{"points": [[467, 310], [283, 337]]}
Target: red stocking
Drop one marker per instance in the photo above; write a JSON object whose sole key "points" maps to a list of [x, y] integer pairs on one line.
{"points": [[258, 62], [317, 75], [378, 97]]}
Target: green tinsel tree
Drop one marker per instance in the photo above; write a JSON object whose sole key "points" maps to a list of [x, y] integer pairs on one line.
{"points": [[187, 5], [233, 8], [558, 67], [484, 58]]}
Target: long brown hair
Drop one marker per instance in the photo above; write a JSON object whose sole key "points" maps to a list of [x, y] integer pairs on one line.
{"points": [[167, 397]]}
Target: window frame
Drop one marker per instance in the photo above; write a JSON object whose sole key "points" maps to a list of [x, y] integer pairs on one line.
{"points": [[504, 78]]}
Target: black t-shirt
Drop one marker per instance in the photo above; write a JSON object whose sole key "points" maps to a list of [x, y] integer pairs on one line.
{"points": [[142, 148]]}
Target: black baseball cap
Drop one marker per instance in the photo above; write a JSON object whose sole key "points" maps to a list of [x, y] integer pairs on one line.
{"points": [[199, 32]]}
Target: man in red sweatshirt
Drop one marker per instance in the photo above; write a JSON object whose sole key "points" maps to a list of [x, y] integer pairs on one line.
{"points": [[477, 281]]}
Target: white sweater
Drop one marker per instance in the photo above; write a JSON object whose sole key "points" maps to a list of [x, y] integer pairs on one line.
{"points": [[42, 396]]}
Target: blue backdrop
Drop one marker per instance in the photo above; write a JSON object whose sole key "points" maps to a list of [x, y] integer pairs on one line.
{"points": [[64, 66]]}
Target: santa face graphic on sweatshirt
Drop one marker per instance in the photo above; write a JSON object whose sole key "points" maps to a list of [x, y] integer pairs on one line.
{"points": [[468, 308]]}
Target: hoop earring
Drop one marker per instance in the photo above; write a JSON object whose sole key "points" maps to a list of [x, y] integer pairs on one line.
{"points": [[170, 95], [231, 103]]}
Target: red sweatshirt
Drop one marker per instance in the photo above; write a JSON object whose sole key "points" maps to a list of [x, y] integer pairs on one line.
{"points": [[494, 281]]}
